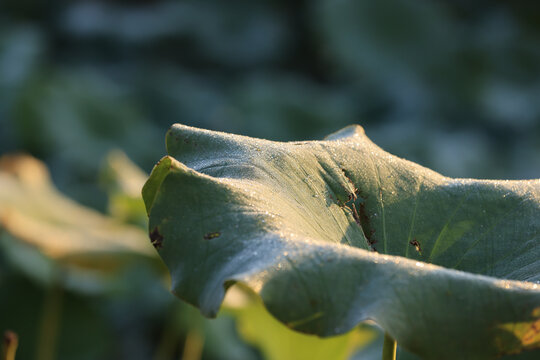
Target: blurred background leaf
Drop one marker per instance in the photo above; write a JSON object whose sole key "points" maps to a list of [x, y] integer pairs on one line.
{"points": [[80, 285], [277, 342], [123, 181]]}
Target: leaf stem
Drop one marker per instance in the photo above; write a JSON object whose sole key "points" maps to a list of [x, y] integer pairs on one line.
{"points": [[10, 345], [193, 346], [50, 323], [389, 348]]}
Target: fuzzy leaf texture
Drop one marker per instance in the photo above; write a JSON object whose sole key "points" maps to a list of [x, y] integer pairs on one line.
{"points": [[335, 232]]}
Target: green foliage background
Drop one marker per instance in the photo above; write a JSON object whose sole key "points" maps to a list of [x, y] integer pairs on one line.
{"points": [[452, 85]]}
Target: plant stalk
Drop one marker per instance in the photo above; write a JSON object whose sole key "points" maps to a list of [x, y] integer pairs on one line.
{"points": [[389, 348], [193, 346], [50, 323], [10, 345]]}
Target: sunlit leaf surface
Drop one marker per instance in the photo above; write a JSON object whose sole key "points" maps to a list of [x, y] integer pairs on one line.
{"points": [[331, 233]]}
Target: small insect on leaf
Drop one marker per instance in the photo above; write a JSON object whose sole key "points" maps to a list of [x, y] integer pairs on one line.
{"points": [[156, 238], [416, 245], [212, 235]]}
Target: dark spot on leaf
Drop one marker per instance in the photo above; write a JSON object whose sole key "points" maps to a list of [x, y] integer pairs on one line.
{"points": [[156, 238], [211, 235], [355, 215], [416, 245], [363, 221], [313, 303], [361, 218], [355, 190], [186, 141]]}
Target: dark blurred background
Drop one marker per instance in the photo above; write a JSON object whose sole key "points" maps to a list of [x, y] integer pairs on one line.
{"points": [[452, 85]]}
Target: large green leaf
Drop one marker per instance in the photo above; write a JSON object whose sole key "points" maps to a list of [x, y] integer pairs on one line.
{"points": [[331, 233]]}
